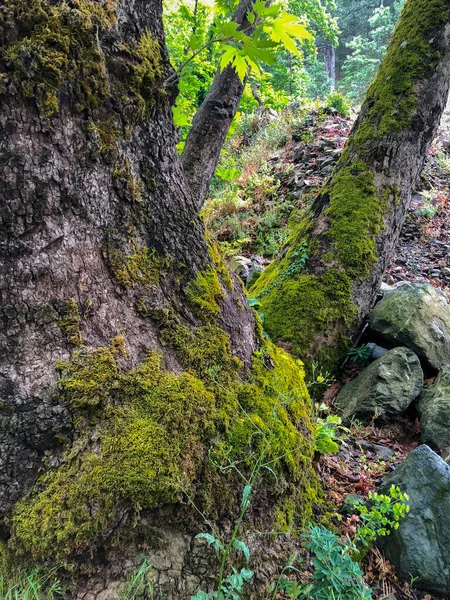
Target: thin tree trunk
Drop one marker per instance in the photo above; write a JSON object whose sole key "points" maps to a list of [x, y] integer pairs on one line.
{"points": [[329, 54], [313, 305], [212, 122]]}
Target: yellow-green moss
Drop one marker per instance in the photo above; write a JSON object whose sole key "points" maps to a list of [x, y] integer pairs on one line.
{"points": [[150, 447], [56, 43], [154, 441], [140, 267], [205, 293], [123, 174], [412, 53], [90, 376], [70, 323], [356, 218], [303, 306]]}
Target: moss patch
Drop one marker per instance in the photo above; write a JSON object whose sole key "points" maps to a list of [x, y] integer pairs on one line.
{"points": [[140, 267], [70, 323], [47, 45], [205, 293], [156, 430], [391, 99], [356, 218], [305, 305]]}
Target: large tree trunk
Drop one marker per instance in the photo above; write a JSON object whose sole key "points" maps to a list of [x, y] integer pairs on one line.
{"points": [[353, 227], [104, 267], [212, 121]]}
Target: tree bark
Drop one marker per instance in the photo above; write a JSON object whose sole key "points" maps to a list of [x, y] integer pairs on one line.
{"points": [[329, 54], [315, 304], [84, 192], [212, 122], [131, 375]]}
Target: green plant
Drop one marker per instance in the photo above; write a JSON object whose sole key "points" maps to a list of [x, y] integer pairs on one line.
{"points": [[327, 434], [382, 514], [359, 355], [301, 256], [33, 586], [232, 585], [318, 377], [339, 102], [137, 585], [336, 575]]}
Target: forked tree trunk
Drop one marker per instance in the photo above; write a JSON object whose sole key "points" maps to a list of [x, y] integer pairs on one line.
{"points": [[127, 351], [314, 304], [94, 204]]}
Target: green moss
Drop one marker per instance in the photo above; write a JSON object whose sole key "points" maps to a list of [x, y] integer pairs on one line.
{"points": [[391, 99], [70, 323], [392, 194], [123, 175], [219, 263], [205, 293], [90, 375], [154, 440], [150, 446], [56, 44], [303, 306], [141, 267], [356, 218]]}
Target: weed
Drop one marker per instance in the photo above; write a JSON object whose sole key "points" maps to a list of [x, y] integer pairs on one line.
{"points": [[359, 355]]}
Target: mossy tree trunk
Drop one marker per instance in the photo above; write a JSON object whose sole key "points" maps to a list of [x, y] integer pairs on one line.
{"points": [[128, 372], [316, 295], [98, 226]]}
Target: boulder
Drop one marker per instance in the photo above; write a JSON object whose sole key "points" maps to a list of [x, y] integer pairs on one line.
{"points": [[420, 547], [385, 389], [434, 411], [415, 315]]}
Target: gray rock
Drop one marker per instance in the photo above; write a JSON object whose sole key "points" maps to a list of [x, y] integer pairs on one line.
{"points": [[382, 452], [434, 411], [385, 389], [420, 547], [415, 315], [446, 455], [376, 351]]}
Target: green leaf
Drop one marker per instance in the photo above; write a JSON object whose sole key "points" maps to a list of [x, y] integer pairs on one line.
{"points": [[242, 547], [251, 17], [200, 595], [246, 495], [179, 118], [211, 541], [253, 302], [194, 42], [228, 56], [240, 66]]}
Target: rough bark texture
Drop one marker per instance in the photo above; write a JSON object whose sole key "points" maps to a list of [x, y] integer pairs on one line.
{"points": [[212, 122], [67, 210], [353, 227], [127, 350]]}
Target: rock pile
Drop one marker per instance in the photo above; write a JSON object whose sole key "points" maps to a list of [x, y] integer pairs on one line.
{"points": [[413, 319]]}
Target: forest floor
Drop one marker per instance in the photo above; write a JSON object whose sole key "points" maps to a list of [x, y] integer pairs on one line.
{"points": [[282, 167]]}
